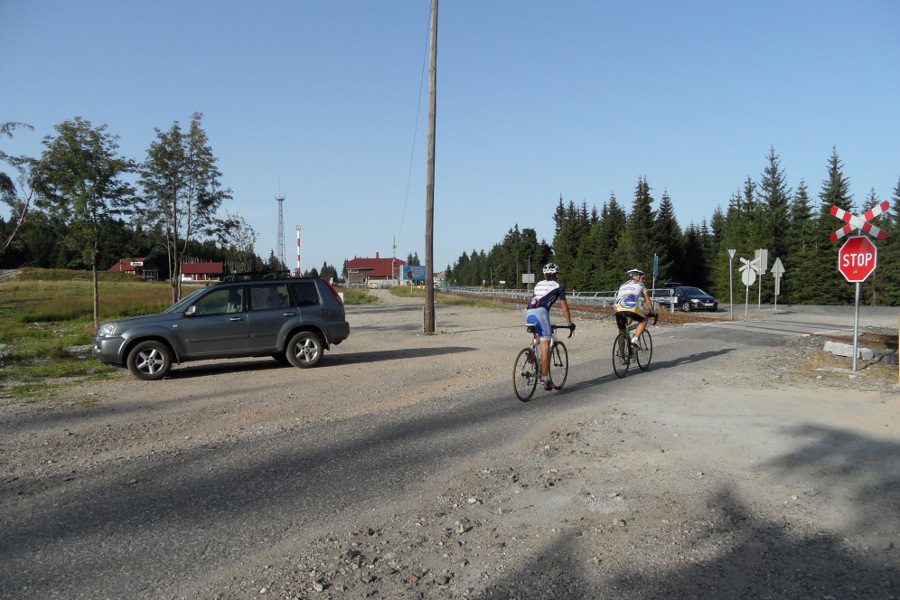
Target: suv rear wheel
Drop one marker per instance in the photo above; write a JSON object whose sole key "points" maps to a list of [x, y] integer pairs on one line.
{"points": [[305, 349], [150, 360]]}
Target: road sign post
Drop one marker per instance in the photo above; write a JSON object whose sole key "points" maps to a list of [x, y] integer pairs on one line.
{"points": [[857, 259], [761, 259], [731, 252], [777, 272], [748, 276]]}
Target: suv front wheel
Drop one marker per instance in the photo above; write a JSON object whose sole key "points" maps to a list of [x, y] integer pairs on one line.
{"points": [[305, 349], [686, 306], [150, 360]]}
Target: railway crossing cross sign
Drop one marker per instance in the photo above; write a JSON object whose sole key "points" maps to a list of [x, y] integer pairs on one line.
{"points": [[862, 222]]}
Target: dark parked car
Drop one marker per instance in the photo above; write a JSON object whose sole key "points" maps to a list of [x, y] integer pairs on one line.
{"points": [[689, 298], [291, 319]]}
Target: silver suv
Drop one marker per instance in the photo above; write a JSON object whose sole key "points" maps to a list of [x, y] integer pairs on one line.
{"points": [[290, 319]]}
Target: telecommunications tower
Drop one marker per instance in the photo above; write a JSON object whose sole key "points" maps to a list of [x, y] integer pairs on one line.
{"points": [[279, 246]]}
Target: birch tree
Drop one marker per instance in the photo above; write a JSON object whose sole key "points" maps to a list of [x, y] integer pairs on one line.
{"points": [[181, 184]]}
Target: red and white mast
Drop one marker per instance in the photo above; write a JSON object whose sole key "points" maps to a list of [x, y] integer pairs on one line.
{"points": [[299, 272]]}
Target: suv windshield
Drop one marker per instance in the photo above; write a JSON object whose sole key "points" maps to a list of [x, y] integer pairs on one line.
{"points": [[182, 304]]}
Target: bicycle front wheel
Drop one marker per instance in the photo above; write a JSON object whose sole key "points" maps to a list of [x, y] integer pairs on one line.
{"points": [[559, 365], [644, 350], [620, 358], [525, 374]]}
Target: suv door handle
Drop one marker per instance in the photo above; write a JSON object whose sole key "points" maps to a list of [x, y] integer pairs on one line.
{"points": [[288, 314], [236, 319]]}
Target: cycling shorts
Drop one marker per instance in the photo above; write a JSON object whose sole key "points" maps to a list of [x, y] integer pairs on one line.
{"points": [[623, 316], [540, 318]]}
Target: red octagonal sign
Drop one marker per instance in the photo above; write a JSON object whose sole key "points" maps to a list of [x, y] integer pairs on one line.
{"points": [[857, 259]]}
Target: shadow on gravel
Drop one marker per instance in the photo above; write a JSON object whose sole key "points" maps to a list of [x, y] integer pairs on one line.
{"points": [[191, 370], [841, 460], [380, 308], [635, 371], [686, 360], [755, 557], [164, 513], [351, 358]]}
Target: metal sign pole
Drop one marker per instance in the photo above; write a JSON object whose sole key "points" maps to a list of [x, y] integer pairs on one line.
{"points": [[856, 328], [731, 252], [731, 286], [746, 300]]}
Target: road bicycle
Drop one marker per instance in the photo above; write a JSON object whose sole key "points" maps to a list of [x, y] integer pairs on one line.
{"points": [[624, 352], [527, 368]]}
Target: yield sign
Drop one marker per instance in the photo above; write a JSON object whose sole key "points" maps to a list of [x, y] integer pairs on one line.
{"points": [[861, 222]]}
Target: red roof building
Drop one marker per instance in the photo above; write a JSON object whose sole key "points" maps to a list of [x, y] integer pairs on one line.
{"points": [[139, 267], [363, 270], [202, 271]]}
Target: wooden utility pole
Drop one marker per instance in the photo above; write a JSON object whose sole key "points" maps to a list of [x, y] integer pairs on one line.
{"points": [[429, 186]]}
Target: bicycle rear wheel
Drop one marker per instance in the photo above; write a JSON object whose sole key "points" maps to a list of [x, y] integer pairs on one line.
{"points": [[525, 374], [621, 360], [644, 350], [559, 365]]}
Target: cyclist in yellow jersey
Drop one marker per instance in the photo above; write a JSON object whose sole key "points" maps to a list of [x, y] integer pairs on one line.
{"points": [[628, 303]]}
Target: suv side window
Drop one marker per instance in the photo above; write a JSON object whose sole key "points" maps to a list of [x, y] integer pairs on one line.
{"points": [[214, 303], [269, 297], [305, 293]]}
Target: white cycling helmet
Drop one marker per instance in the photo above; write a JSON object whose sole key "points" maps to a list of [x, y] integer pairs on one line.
{"points": [[551, 269], [634, 272]]}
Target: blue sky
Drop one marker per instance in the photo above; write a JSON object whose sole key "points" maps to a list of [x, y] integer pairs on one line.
{"points": [[326, 102]]}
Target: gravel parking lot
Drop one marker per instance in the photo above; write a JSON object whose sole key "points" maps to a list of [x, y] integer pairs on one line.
{"points": [[738, 466]]}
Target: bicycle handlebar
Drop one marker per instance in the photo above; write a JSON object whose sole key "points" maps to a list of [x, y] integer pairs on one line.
{"points": [[571, 328], [655, 317]]}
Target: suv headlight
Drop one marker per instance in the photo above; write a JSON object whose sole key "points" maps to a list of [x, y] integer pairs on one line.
{"points": [[107, 330]]}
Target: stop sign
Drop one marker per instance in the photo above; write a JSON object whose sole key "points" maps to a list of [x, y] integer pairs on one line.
{"points": [[857, 258]]}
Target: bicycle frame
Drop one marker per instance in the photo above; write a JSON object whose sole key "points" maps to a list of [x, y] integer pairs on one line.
{"points": [[528, 365], [624, 351]]}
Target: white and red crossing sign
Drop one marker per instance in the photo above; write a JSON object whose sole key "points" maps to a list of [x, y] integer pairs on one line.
{"points": [[857, 259], [861, 222]]}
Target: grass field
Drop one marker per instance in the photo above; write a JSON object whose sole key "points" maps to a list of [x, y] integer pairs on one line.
{"points": [[46, 324]]}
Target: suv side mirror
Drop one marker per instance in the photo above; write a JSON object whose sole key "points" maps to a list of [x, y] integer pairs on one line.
{"points": [[191, 311]]}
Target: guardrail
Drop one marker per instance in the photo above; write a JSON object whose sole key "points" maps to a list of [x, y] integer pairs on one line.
{"points": [[594, 299]]}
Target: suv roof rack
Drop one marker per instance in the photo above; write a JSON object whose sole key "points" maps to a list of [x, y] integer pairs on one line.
{"points": [[246, 275]]}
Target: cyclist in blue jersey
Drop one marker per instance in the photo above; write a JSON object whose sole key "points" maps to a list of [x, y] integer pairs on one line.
{"points": [[546, 293], [628, 303]]}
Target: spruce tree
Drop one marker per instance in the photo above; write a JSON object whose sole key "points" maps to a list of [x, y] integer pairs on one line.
{"points": [[870, 289], [638, 237], [798, 285], [830, 285], [696, 270], [611, 230], [668, 242], [717, 256], [774, 201], [889, 252]]}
